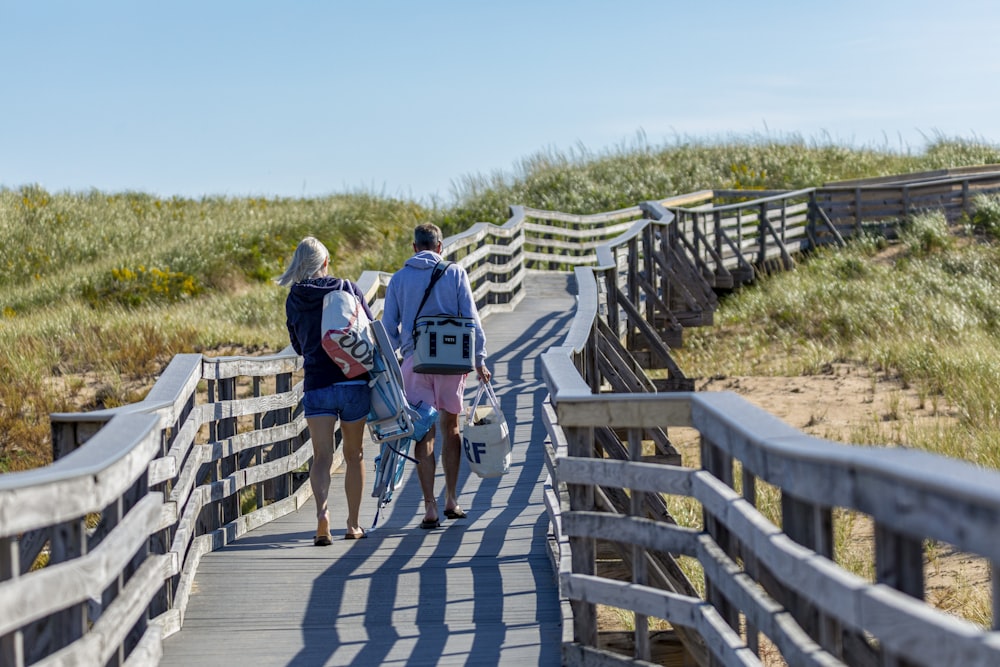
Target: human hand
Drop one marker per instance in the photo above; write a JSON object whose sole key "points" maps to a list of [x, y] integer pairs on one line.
{"points": [[483, 373]]}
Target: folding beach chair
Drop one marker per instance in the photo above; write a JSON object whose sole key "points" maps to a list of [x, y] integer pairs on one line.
{"points": [[392, 421]]}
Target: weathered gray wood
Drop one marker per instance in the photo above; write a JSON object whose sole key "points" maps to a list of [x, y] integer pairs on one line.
{"points": [[602, 232], [86, 481], [796, 646], [55, 587], [655, 477], [597, 219], [722, 641], [225, 368], [589, 656], [636, 530]]}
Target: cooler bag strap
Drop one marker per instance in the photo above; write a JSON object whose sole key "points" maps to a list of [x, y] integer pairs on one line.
{"points": [[439, 270]]}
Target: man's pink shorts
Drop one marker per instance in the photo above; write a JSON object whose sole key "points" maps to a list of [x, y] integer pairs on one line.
{"points": [[444, 392]]}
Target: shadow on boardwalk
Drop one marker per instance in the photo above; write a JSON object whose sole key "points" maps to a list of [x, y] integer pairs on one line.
{"points": [[477, 591]]}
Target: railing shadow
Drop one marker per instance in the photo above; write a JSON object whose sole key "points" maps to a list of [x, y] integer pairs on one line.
{"points": [[412, 585]]}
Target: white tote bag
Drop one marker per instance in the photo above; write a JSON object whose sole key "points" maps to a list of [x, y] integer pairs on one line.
{"points": [[485, 438]]}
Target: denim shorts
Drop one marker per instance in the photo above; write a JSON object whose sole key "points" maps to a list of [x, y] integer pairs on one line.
{"points": [[350, 401]]}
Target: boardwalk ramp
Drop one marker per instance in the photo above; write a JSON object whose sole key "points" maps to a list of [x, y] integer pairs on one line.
{"points": [[476, 591]]}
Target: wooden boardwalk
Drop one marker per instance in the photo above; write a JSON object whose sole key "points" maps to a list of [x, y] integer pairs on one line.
{"points": [[478, 591]]}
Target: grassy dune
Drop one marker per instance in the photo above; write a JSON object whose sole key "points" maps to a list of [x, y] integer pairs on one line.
{"points": [[99, 290]]}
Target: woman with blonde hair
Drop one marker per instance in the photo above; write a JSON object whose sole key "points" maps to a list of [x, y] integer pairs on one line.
{"points": [[329, 395]]}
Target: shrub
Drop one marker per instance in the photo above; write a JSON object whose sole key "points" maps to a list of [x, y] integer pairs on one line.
{"points": [[134, 288], [986, 215], [925, 233]]}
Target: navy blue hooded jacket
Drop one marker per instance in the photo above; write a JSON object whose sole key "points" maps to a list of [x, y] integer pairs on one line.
{"points": [[304, 317]]}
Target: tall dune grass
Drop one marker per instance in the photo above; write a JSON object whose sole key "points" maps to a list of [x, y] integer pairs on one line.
{"points": [[926, 312], [107, 287]]}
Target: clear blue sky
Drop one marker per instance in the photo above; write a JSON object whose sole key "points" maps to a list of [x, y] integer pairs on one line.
{"points": [[402, 98]]}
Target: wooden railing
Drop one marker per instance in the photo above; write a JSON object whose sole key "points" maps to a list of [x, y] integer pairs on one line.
{"points": [[767, 587], [99, 550]]}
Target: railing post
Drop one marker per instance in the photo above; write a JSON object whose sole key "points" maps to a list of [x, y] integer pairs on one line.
{"points": [[580, 443], [750, 564], [160, 542], [11, 644], [611, 295], [653, 276], [739, 234], [899, 561], [279, 487], [592, 352], [995, 580], [966, 207], [226, 466], [633, 285], [720, 465], [637, 508], [811, 220], [784, 221], [811, 526], [857, 211], [717, 239], [69, 542], [696, 237], [761, 234]]}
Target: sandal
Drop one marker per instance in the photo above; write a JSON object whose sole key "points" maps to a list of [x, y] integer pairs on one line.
{"points": [[455, 513], [428, 524], [323, 537], [356, 536]]}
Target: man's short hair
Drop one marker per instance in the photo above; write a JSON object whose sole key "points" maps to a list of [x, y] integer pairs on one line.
{"points": [[427, 236]]}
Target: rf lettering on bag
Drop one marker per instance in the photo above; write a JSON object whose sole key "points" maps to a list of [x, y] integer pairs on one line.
{"points": [[346, 336]]}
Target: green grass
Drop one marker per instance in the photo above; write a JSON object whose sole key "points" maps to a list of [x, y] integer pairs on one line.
{"points": [[928, 314], [106, 288]]}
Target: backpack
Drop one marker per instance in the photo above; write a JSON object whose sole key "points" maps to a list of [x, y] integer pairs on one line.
{"points": [[345, 333]]}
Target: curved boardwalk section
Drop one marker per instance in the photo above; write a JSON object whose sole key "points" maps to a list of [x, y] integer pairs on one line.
{"points": [[476, 591]]}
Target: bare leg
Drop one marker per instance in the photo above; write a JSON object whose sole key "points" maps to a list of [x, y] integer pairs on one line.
{"points": [[354, 474], [426, 469], [451, 457], [321, 432]]}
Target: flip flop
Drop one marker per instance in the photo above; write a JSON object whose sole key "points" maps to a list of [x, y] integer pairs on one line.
{"points": [[455, 513], [428, 524], [322, 541], [356, 536]]}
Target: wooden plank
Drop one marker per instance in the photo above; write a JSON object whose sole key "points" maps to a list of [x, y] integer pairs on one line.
{"points": [[633, 531], [63, 584], [597, 219], [765, 614], [86, 481], [654, 477]]}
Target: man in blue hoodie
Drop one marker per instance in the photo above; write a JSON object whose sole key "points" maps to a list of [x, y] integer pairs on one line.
{"points": [[451, 295]]}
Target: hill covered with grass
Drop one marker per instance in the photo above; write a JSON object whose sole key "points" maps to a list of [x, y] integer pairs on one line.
{"points": [[98, 291]]}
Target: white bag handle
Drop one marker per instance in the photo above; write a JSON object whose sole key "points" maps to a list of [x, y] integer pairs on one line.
{"points": [[484, 388]]}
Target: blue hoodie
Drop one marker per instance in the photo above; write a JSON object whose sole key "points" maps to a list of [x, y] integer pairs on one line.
{"points": [[452, 295], [304, 318]]}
